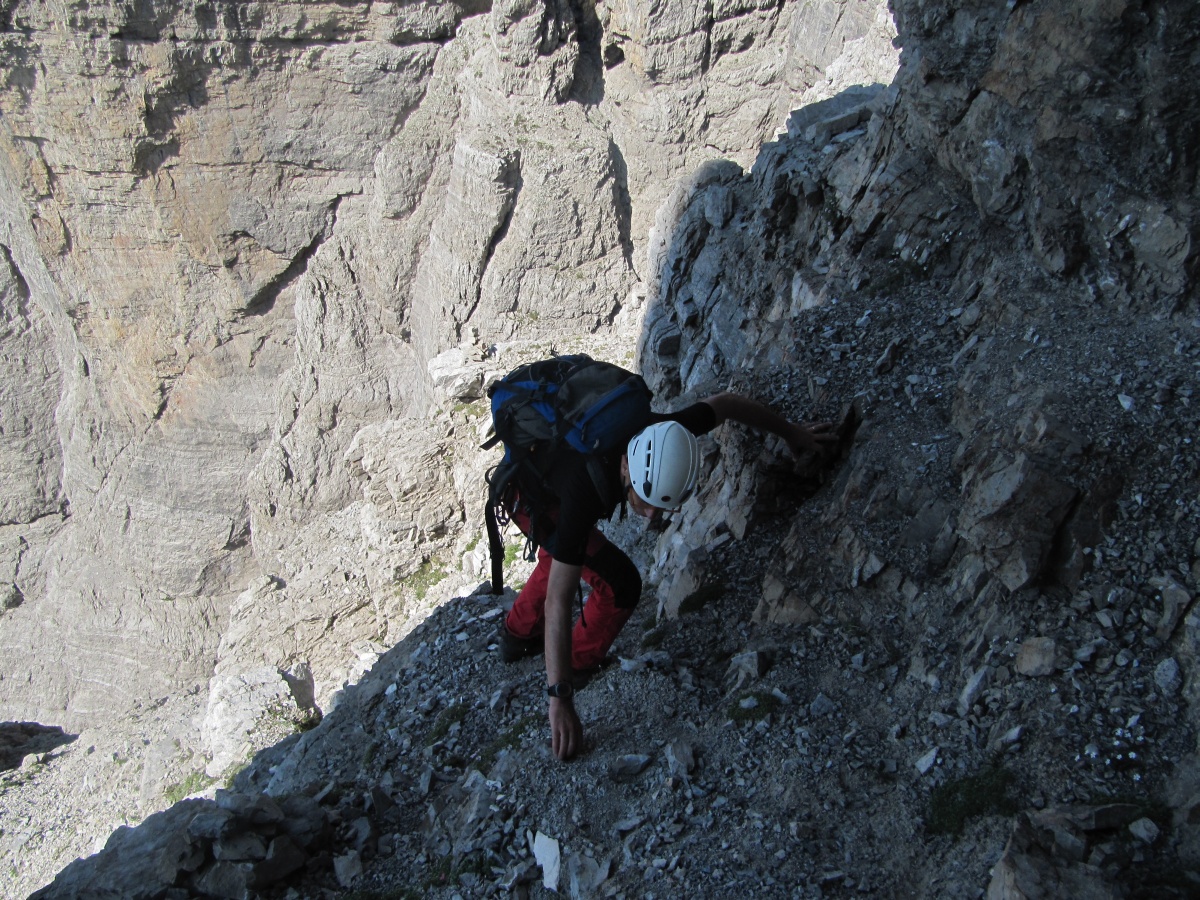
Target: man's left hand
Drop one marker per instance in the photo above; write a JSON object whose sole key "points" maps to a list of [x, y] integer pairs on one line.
{"points": [[815, 437]]}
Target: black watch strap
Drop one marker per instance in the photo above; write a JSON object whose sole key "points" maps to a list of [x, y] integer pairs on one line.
{"points": [[564, 690]]}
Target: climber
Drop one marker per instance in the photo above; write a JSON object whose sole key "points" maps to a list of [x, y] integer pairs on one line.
{"points": [[658, 472]]}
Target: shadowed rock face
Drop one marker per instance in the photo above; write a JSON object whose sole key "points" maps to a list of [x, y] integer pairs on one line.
{"points": [[21, 739], [993, 171]]}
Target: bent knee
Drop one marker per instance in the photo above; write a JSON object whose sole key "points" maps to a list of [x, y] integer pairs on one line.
{"points": [[621, 574], [628, 593]]}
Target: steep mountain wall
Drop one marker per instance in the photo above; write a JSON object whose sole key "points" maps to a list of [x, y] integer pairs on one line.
{"points": [[235, 238], [1040, 181]]}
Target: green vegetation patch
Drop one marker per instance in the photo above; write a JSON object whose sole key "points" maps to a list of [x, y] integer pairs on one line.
{"points": [[369, 753], [292, 720], [951, 804], [196, 781], [449, 716], [506, 741], [447, 871], [473, 407], [425, 577], [512, 553]]}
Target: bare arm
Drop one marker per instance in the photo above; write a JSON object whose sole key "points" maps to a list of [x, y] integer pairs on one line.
{"points": [[800, 437], [566, 732]]}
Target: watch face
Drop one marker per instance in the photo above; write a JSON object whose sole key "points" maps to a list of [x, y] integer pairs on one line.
{"points": [[564, 690]]}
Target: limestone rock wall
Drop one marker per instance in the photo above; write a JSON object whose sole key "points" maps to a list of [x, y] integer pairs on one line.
{"points": [[235, 237], [993, 259]]}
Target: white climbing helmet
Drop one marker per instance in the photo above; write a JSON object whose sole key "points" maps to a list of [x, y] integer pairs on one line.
{"points": [[664, 460]]}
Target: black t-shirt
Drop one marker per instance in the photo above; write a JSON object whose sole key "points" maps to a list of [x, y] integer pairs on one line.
{"points": [[580, 505]]}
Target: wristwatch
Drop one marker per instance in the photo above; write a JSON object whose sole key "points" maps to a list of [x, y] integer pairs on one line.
{"points": [[564, 690]]}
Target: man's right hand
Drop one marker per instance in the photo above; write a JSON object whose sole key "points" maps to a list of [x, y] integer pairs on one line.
{"points": [[566, 732]]}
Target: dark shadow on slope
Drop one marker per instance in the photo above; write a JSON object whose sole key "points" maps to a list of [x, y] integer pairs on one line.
{"points": [[21, 739], [302, 841], [301, 833], [264, 298], [588, 87], [622, 200], [6, 14], [185, 90]]}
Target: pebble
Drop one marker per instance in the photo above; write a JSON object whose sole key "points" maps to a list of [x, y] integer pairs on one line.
{"points": [[1167, 677], [822, 706], [927, 760], [1145, 830], [1035, 659], [628, 767], [1012, 735]]}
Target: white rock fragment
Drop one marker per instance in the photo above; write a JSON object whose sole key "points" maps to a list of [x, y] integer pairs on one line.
{"points": [[1144, 830], [1035, 658], [926, 762], [1167, 677], [681, 758], [1012, 735], [585, 876], [972, 689], [347, 868], [628, 767], [747, 667], [1127, 402], [455, 375], [627, 825], [546, 852], [247, 711]]}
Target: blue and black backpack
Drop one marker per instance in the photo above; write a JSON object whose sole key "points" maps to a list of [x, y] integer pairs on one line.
{"points": [[575, 402]]}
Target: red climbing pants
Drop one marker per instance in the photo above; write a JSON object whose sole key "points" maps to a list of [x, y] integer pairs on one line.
{"points": [[616, 586]]}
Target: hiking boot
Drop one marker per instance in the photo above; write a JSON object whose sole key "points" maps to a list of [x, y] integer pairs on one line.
{"points": [[513, 648]]}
